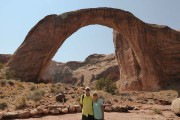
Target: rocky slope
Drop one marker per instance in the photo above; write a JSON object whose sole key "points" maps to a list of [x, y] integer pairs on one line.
{"points": [[94, 67], [4, 58]]}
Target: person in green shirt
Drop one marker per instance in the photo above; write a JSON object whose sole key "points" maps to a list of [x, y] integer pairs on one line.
{"points": [[98, 107], [86, 102]]}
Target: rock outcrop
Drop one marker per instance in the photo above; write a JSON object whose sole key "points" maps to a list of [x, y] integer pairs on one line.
{"points": [[94, 67], [149, 54], [4, 58]]}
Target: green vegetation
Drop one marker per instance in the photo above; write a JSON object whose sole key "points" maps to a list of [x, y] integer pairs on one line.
{"points": [[3, 105], [36, 95], [57, 88], [9, 74], [106, 84], [33, 87], [21, 104], [3, 83], [157, 111]]}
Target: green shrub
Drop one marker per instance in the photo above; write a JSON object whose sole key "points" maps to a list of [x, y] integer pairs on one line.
{"points": [[36, 95], [33, 87], [21, 104], [106, 84], [3, 105], [3, 83], [157, 111], [9, 74]]}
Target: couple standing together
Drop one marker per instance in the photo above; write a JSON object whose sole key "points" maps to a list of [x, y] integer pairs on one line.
{"points": [[92, 106]]}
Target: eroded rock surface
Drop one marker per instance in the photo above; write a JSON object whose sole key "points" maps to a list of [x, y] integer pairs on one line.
{"points": [[150, 56]]}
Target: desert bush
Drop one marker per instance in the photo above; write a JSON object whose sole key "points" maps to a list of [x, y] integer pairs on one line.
{"points": [[20, 104], [106, 84], [20, 85], [11, 83], [3, 105], [36, 95], [9, 74], [33, 87], [157, 111], [3, 83]]}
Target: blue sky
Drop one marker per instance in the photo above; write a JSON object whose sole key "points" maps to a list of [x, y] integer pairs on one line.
{"points": [[17, 17]]}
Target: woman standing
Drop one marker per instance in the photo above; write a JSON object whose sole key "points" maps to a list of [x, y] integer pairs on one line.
{"points": [[98, 107]]}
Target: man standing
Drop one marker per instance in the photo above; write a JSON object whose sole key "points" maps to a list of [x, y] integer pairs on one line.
{"points": [[86, 102]]}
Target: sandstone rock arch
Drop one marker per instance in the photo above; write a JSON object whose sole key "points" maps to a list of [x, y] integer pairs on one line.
{"points": [[148, 54]]}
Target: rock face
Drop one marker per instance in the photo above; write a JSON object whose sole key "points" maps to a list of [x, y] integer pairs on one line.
{"points": [[4, 58], [94, 67], [149, 54]]}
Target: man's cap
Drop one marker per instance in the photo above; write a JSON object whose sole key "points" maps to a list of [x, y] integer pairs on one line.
{"points": [[95, 93], [87, 88]]}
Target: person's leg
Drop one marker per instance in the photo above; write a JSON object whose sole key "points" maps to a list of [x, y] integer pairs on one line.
{"points": [[90, 117], [84, 117]]}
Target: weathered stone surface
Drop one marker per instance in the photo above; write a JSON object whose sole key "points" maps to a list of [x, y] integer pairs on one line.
{"points": [[4, 58], [54, 111], [60, 97], [23, 114], [148, 54], [175, 106], [10, 115], [108, 109], [71, 109], [78, 108], [64, 110], [35, 112]]}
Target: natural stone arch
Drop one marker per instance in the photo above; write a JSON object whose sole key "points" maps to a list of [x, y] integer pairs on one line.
{"points": [[143, 41]]}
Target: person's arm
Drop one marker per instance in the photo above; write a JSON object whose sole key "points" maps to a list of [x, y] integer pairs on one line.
{"points": [[81, 102], [102, 109]]}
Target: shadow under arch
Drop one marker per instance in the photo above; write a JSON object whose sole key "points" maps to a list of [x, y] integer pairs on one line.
{"points": [[43, 41]]}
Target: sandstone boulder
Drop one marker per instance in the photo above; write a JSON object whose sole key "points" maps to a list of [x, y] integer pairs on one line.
{"points": [[24, 114], [64, 110], [71, 109], [108, 109], [10, 115], [35, 112], [60, 97], [78, 108], [175, 106], [54, 111]]}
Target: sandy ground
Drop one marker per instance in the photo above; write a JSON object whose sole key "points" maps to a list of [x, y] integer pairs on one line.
{"points": [[113, 116]]}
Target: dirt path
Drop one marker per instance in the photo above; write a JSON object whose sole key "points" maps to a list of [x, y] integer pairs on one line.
{"points": [[110, 116]]}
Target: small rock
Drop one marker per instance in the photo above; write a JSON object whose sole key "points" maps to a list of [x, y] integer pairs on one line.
{"points": [[115, 100], [130, 107], [54, 111], [72, 109], [60, 97], [45, 111], [24, 114], [175, 106], [136, 108], [78, 108], [108, 109], [64, 110], [40, 108], [10, 115], [60, 110], [120, 109], [35, 112]]}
